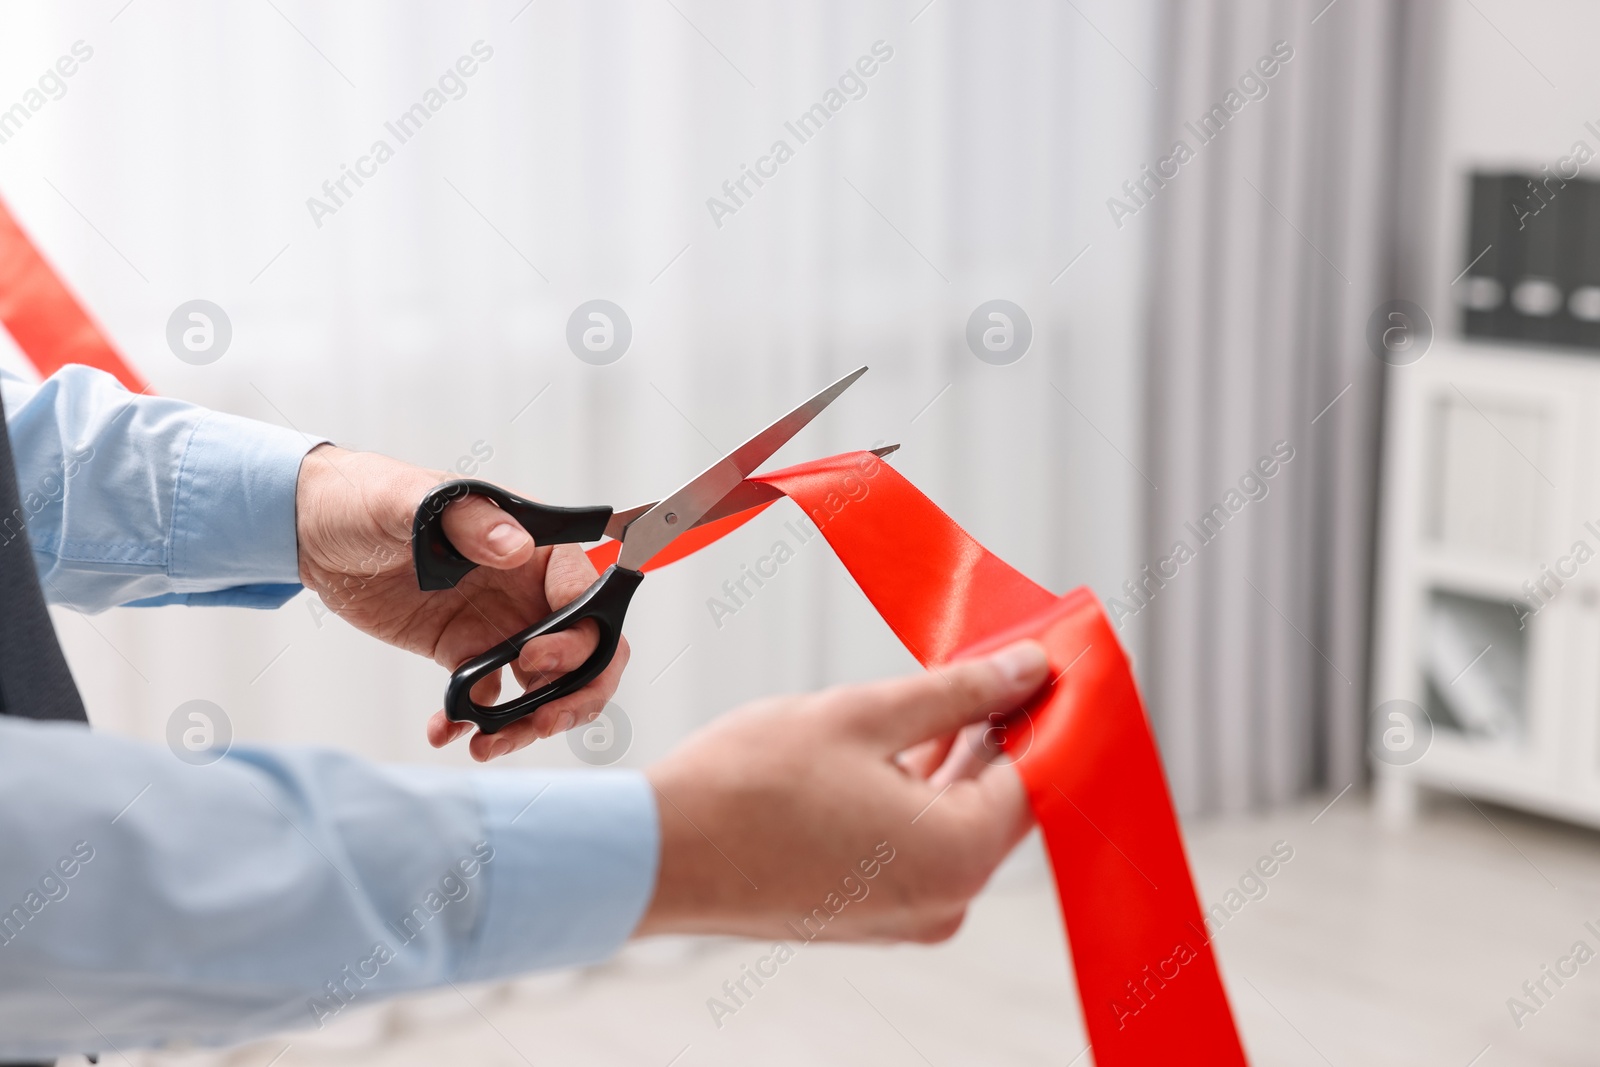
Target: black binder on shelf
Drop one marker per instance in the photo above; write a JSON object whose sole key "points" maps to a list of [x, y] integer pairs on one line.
{"points": [[1539, 298], [1483, 298], [1583, 257]]}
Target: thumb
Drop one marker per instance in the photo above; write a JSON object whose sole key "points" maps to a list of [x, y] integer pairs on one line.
{"points": [[903, 711], [485, 534]]}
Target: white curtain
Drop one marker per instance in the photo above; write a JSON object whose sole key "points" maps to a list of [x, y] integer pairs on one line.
{"points": [[425, 315]]}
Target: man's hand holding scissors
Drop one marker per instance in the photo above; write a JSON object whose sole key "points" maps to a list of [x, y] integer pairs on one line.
{"points": [[354, 518]]}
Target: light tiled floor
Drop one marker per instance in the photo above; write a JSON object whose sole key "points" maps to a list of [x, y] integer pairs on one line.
{"points": [[1370, 947]]}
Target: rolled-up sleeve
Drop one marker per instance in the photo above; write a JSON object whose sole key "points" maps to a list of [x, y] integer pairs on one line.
{"points": [[141, 499], [147, 901]]}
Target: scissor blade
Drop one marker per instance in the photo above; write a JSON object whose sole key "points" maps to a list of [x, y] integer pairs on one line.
{"points": [[744, 496], [660, 525]]}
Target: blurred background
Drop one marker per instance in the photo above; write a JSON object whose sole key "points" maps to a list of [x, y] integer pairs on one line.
{"points": [[1354, 243]]}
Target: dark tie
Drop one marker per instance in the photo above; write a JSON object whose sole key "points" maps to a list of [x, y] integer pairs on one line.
{"points": [[34, 679]]}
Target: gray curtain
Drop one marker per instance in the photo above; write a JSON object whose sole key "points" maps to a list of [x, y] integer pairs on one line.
{"points": [[1270, 250]]}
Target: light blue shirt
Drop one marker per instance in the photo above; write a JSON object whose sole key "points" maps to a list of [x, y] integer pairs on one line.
{"points": [[146, 901]]}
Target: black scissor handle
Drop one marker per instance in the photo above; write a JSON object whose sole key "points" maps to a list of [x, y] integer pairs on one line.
{"points": [[605, 601], [440, 565]]}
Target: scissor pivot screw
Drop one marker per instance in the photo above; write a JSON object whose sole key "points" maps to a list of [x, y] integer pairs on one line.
{"points": [[672, 518]]}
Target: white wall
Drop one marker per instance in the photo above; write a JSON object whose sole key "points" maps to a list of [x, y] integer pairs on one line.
{"points": [[1518, 81], [591, 140]]}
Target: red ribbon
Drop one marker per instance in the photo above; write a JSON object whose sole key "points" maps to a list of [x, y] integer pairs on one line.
{"points": [[1147, 978], [43, 316]]}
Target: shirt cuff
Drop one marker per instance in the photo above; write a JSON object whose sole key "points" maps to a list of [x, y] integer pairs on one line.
{"points": [[233, 512], [574, 866]]}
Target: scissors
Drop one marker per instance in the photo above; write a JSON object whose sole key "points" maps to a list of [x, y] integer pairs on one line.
{"points": [[718, 491]]}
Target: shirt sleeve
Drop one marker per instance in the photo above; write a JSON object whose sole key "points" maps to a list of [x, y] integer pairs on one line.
{"points": [[129, 498], [147, 901]]}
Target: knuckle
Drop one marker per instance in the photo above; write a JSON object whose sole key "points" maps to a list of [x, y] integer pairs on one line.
{"points": [[974, 684], [540, 654], [463, 517], [568, 567]]}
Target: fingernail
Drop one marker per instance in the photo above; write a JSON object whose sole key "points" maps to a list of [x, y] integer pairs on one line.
{"points": [[1021, 663], [499, 748], [506, 538]]}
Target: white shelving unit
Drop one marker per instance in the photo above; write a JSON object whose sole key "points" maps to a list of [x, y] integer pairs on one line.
{"points": [[1490, 477]]}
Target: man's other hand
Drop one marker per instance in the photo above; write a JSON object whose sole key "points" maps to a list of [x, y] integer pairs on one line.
{"points": [[354, 512], [857, 813]]}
